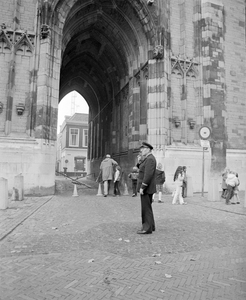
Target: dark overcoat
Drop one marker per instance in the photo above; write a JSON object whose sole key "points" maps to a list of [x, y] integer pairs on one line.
{"points": [[146, 175]]}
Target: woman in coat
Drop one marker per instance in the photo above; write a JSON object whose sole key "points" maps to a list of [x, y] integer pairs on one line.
{"points": [[178, 180]]}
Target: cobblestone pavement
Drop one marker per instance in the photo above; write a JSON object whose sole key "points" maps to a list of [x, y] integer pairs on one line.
{"points": [[86, 247]]}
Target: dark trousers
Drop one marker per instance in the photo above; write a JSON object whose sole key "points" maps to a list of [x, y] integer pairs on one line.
{"points": [[134, 186], [184, 190], [116, 188], [229, 194], [148, 222]]}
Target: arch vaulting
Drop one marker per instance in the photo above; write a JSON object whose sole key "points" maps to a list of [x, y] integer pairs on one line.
{"points": [[105, 52]]}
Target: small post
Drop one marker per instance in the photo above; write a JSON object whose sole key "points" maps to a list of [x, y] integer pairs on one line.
{"points": [[99, 191], [4, 201], [202, 171], [245, 194], [75, 192], [18, 194]]}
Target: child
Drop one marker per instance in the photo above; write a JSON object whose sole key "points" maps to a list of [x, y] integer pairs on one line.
{"points": [[160, 179], [117, 181], [134, 177]]}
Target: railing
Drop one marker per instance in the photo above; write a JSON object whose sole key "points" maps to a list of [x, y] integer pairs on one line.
{"points": [[74, 180]]}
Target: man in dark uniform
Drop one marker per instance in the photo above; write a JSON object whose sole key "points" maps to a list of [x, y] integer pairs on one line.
{"points": [[146, 187]]}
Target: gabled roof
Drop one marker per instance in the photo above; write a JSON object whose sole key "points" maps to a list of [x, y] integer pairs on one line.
{"points": [[78, 118]]}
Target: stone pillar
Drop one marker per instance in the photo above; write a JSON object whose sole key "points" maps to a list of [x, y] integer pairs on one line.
{"points": [[4, 201], [214, 94], [18, 189]]}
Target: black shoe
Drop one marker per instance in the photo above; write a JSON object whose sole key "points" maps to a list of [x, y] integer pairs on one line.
{"points": [[105, 196], [143, 232], [159, 201]]}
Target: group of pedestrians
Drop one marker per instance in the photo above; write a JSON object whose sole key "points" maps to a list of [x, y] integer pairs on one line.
{"points": [[230, 187], [148, 179]]}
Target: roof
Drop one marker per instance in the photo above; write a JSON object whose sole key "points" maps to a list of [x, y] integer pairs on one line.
{"points": [[78, 118]]}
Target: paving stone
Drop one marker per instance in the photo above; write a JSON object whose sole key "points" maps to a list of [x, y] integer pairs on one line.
{"points": [[48, 243]]}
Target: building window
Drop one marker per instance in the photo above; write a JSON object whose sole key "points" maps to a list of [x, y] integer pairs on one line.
{"points": [[74, 137], [85, 138], [79, 164]]}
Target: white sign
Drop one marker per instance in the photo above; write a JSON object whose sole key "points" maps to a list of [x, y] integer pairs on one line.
{"points": [[205, 143], [204, 132]]}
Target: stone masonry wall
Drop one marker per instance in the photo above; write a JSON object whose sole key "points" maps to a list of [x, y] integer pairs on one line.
{"points": [[235, 72]]}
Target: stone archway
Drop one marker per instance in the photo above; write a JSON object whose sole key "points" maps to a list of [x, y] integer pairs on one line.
{"points": [[106, 47], [147, 71]]}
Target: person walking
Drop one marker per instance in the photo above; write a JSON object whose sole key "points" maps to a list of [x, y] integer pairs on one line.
{"points": [[146, 187], [184, 186], [117, 176], [106, 169], [160, 179], [236, 199], [231, 182], [134, 177], [178, 180], [223, 183]]}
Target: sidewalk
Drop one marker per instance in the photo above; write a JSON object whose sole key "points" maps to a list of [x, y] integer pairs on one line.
{"points": [[86, 248], [19, 211]]}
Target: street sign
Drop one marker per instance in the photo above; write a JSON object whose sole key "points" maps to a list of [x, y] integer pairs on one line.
{"points": [[205, 143], [204, 132]]}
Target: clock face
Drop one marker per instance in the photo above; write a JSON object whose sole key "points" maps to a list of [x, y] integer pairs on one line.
{"points": [[204, 132]]}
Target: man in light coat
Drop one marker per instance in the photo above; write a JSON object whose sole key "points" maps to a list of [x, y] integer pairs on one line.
{"points": [[106, 168]]}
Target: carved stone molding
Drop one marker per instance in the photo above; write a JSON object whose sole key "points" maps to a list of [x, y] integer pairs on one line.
{"points": [[145, 70], [158, 52], [138, 78], [125, 92], [45, 15], [184, 67], [45, 31], [21, 41]]}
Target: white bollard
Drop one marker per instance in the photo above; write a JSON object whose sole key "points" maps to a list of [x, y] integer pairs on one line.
{"points": [[4, 201], [99, 191], [125, 193], [75, 192], [18, 191]]}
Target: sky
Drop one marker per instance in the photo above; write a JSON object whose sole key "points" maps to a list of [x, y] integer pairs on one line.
{"points": [[70, 104]]}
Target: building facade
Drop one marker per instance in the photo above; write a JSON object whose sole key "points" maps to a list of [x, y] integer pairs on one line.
{"points": [[150, 70], [72, 143]]}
